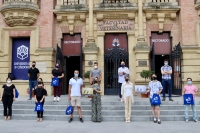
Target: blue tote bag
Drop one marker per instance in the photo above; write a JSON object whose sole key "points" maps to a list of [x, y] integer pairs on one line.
{"points": [[39, 107], [55, 82], [155, 99], [188, 99], [16, 93], [69, 110]]}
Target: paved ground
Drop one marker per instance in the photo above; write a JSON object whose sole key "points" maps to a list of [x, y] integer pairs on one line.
{"points": [[90, 127]]}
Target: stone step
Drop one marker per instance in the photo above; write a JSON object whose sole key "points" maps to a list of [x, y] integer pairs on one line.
{"points": [[103, 103], [104, 112], [88, 117], [104, 107]]}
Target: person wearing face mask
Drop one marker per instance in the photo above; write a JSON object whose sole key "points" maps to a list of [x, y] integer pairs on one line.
{"points": [[40, 93], [33, 74], [96, 101], [7, 97], [121, 72], [166, 71], [127, 92], [190, 89], [57, 89], [155, 87], [74, 95], [95, 72]]}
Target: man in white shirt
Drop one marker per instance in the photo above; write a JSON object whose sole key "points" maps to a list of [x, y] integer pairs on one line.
{"points": [[75, 90], [122, 71]]}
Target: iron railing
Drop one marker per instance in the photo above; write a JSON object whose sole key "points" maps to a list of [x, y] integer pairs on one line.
{"points": [[115, 1], [71, 2]]}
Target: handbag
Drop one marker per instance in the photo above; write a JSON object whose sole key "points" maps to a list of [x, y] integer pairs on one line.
{"points": [[188, 99], [55, 81], [69, 109], [87, 91], [39, 107], [155, 99], [16, 93]]}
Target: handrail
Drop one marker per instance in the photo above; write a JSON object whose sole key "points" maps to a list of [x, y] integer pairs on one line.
{"points": [[71, 2]]}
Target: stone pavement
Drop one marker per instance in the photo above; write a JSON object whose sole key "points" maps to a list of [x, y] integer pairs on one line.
{"points": [[18, 126]]}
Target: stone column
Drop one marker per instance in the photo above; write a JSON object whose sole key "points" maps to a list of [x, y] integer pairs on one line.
{"points": [[91, 23], [141, 38]]}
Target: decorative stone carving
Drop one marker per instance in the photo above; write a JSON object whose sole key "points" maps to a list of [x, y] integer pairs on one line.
{"points": [[197, 6], [20, 13], [161, 11], [70, 13]]}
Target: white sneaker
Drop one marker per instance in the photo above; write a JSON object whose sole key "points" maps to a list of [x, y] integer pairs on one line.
{"points": [[58, 99], [54, 99]]}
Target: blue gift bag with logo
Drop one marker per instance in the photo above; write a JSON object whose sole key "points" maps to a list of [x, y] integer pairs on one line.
{"points": [[155, 99], [55, 82], [16, 93], [39, 107], [188, 99], [69, 110]]}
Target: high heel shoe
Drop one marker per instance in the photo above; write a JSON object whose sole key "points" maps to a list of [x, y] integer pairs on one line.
{"points": [[8, 118], [38, 120]]}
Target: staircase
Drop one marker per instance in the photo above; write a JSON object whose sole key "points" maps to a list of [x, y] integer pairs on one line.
{"points": [[112, 110]]}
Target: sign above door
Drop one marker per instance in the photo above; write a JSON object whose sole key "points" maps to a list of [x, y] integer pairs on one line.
{"points": [[115, 25]]}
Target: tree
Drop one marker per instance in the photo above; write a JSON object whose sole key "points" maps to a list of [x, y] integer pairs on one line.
{"points": [[146, 74]]}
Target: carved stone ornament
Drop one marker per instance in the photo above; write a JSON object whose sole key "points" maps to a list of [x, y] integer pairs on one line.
{"points": [[161, 11], [20, 13]]}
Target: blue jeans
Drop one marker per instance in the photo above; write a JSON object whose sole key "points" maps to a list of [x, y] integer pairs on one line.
{"points": [[167, 83], [193, 110], [32, 84]]}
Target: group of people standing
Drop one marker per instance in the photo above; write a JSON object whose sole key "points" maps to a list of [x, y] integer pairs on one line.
{"points": [[126, 93]]}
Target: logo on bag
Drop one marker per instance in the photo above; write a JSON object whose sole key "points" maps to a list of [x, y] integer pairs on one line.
{"points": [[54, 81], [115, 42], [188, 99], [22, 52], [155, 98], [38, 107]]}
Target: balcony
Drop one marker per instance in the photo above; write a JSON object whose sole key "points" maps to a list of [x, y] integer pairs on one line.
{"points": [[197, 6], [70, 10], [161, 9], [118, 9], [20, 12]]}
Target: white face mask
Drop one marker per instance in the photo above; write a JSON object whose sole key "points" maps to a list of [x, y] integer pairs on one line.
{"points": [[95, 67], [166, 63], [8, 81]]}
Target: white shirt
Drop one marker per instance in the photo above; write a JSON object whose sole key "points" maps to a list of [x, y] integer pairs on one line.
{"points": [[121, 76], [154, 87], [76, 86], [128, 90], [124, 93]]}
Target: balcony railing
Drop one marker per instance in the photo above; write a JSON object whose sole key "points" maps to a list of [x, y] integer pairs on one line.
{"points": [[161, 1], [115, 1], [71, 2], [37, 2]]}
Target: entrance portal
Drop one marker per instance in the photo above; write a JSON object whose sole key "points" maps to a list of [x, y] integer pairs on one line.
{"points": [[71, 64], [116, 50]]}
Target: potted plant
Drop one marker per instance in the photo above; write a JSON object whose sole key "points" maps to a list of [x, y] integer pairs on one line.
{"points": [[146, 74], [87, 74]]}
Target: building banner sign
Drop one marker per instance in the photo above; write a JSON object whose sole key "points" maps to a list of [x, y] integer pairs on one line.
{"points": [[115, 25], [20, 58]]}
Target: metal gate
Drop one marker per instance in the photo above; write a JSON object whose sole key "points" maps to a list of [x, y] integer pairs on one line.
{"points": [[176, 67], [112, 60]]}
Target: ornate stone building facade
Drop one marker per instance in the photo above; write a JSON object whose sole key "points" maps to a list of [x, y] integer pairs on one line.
{"points": [[140, 32]]}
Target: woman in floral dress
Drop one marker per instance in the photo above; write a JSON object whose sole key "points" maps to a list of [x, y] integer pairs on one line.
{"points": [[96, 101]]}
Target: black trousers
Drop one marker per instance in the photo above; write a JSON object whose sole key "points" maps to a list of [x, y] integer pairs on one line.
{"points": [[7, 104], [40, 113], [120, 86]]}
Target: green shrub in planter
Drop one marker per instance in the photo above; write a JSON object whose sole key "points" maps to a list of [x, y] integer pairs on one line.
{"points": [[87, 74], [146, 74]]}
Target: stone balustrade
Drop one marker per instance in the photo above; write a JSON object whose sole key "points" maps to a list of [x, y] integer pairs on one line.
{"points": [[31, 1], [115, 1], [70, 2]]}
